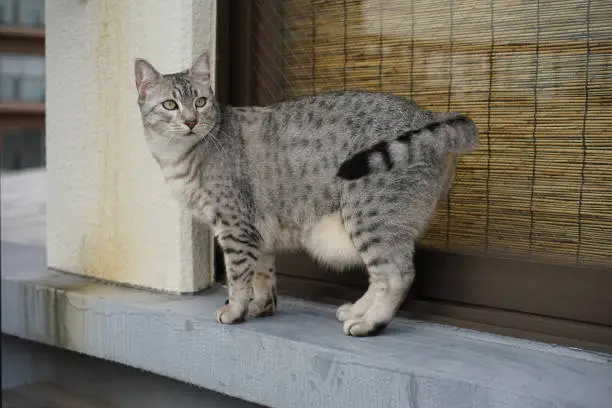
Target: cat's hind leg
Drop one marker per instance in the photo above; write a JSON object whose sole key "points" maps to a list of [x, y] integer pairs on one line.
{"points": [[390, 279], [384, 214], [354, 310]]}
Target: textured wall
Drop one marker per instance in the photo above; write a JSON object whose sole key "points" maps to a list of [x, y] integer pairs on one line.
{"points": [[109, 213]]}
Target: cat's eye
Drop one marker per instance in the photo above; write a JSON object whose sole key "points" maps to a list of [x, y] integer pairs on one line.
{"points": [[200, 102], [169, 104]]}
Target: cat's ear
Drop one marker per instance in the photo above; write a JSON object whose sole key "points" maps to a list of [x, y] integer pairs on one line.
{"points": [[146, 75], [201, 67]]}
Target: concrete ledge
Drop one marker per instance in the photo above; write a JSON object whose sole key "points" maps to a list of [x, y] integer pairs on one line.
{"points": [[299, 357], [26, 362]]}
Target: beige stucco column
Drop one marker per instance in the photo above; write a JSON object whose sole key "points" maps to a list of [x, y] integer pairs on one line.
{"points": [[110, 215]]}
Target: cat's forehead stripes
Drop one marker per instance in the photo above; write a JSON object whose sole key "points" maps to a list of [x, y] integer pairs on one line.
{"points": [[182, 87]]}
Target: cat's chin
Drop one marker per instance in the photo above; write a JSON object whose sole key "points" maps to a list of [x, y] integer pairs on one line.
{"points": [[192, 134]]}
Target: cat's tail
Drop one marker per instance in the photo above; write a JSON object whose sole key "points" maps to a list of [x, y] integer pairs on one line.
{"points": [[449, 133]]}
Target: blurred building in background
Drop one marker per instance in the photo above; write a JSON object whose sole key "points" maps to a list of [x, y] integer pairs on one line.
{"points": [[22, 84]]}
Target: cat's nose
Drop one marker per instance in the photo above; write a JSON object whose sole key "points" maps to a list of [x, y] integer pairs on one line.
{"points": [[191, 123]]}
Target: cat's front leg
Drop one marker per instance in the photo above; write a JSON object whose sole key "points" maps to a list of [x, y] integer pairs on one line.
{"points": [[264, 288], [241, 252]]}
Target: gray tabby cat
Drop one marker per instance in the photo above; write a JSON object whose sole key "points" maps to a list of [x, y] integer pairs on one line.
{"points": [[352, 177]]}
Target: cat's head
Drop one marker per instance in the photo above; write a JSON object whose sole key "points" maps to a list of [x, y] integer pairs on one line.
{"points": [[177, 109]]}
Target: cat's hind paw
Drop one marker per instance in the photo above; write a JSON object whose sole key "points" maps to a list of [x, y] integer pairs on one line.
{"points": [[345, 312], [360, 327]]}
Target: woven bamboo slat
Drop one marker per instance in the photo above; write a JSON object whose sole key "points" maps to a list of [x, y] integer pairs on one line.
{"points": [[536, 76]]}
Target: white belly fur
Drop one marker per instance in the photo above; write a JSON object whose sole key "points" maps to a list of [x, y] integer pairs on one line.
{"points": [[329, 242]]}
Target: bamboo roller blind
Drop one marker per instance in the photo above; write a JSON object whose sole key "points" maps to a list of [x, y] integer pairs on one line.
{"points": [[536, 76]]}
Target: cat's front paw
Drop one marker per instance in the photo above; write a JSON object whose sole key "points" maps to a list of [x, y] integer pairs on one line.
{"points": [[360, 327], [229, 314], [261, 308]]}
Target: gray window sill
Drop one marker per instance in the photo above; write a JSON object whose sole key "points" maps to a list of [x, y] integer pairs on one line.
{"points": [[298, 357]]}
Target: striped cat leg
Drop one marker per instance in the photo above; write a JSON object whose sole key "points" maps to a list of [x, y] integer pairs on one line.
{"points": [[353, 310], [241, 254], [390, 279], [264, 288], [358, 224], [383, 215]]}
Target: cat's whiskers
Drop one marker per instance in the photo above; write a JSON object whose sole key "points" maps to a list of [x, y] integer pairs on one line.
{"points": [[170, 139], [210, 135], [216, 143]]}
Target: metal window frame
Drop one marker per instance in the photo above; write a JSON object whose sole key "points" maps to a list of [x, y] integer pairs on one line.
{"points": [[552, 303]]}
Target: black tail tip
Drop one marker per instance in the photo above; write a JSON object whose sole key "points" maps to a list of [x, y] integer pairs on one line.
{"points": [[355, 167]]}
